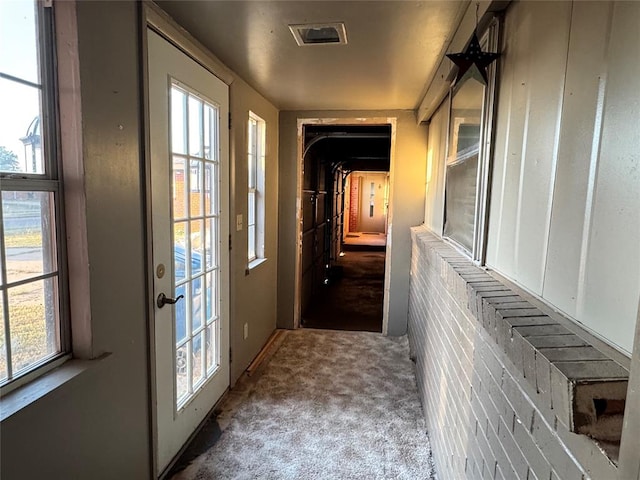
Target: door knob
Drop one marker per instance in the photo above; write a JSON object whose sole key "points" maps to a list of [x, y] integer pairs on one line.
{"points": [[162, 300]]}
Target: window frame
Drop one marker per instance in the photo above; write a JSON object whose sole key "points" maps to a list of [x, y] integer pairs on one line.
{"points": [[489, 41], [49, 181], [256, 149]]}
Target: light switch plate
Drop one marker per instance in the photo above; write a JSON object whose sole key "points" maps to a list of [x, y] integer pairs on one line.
{"points": [[238, 222]]}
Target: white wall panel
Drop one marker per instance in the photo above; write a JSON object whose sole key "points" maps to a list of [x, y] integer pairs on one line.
{"points": [[509, 136], [608, 301], [530, 137], [577, 153], [565, 206]]}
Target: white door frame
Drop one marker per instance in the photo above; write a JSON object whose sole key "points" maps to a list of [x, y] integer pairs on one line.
{"points": [[156, 19], [391, 121]]}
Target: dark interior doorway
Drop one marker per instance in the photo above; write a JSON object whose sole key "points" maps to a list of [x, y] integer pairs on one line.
{"points": [[342, 285]]}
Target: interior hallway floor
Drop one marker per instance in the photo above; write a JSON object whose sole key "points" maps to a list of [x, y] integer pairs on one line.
{"points": [[354, 296], [326, 405]]}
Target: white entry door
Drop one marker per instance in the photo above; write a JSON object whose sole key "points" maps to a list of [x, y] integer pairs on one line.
{"points": [[188, 111]]}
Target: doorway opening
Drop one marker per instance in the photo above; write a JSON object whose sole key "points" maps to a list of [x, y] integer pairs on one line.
{"points": [[344, 205]]}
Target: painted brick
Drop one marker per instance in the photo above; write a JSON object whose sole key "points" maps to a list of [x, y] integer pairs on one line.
{"points": [[553, 341], [530, 331], [479, 349], [535, 458], [555, 451], [514, 454]]}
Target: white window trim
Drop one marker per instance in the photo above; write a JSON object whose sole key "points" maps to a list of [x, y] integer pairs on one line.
{"points": [[57, 371], [259, 192], [489, 42]]}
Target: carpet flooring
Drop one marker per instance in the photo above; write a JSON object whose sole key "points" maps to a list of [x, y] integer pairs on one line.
{"points": [[326, 405]]}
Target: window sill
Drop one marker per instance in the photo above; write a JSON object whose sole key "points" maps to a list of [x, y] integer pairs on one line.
{"points": [[255, 263], [25, 395]]}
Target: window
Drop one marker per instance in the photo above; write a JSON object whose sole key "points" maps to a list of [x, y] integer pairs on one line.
{"points": [[468, 154], [32, 320], [256, 166]]}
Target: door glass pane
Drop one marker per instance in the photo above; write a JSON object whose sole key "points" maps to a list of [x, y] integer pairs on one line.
{"points": [[181, 267], [181, 314], [178, 121], [211, 243], [198, 359], [182, 370], [195, 245], [211, 345], [208, 188], [197, 233], [197, 301], [196, 188], [212, 296], [33, 322], [29, 234], [195, 127], [208, 133], [178, 191], [20, 134]]}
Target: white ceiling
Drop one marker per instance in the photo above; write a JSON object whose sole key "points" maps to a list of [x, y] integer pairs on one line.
{"points": [[393, 48]]}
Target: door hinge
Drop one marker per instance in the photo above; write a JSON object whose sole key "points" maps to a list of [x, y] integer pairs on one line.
{"points": [[230, 244], [229, 120], [230, 355]]}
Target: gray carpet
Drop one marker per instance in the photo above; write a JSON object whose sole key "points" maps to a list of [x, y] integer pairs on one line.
{"points": [[328, 405]]}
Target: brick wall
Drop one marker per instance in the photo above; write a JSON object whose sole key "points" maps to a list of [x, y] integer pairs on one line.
{"points": [[486, 418]]}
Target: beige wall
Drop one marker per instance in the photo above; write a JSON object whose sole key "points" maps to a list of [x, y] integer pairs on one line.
{"points": [[406, 208], [253, 298]]}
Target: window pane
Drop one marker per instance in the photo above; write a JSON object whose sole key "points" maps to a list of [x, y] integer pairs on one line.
{"points": [[211, 188], [178, 121], [196, 187], [461, 201], [211, 346], [198, 359], [211, 243], [196, 304], [20, 134], [251, 219], [3, 346], [182, 369], [197, 233], [180, 232], [195, 127], [18, 48], [33, 322], [209, 133], [29, 234], [252, 170], [179, 192], [251, 230], [212, 295], [181, 314]]}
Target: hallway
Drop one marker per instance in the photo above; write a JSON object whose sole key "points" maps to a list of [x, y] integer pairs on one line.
{"points": [[327, 405], [353, 299]]}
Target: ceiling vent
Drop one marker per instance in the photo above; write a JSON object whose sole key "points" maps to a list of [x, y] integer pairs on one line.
{"points": [[319, 34]]}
